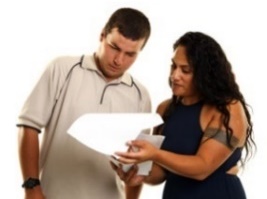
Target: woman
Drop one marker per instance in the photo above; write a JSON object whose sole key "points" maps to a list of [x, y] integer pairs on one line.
{"points": [[207, 124]]}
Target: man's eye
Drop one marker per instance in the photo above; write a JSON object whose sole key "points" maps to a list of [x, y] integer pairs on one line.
{"points": [[113, 47], [130, 54]]}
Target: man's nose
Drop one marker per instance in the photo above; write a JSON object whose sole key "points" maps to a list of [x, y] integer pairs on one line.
{"points": [[119, 58]]}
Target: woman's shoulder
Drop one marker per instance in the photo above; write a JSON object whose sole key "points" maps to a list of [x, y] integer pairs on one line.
{"points": [[163, 106], [234, 105], [211, 113]]}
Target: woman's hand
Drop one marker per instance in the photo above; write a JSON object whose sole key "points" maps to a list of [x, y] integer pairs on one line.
{"points": [[143, 151]]}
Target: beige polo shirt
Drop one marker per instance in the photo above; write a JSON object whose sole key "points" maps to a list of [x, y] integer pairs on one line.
{"points": [[69, 88]]}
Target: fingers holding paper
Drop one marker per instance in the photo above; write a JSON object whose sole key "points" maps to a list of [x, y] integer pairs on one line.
{"points": [[144, 151], [130, 177]]}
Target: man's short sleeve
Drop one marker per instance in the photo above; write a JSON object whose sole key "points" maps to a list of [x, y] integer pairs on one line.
{"points": [[39, 105]]}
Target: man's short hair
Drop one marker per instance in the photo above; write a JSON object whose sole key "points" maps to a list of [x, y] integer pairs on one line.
{"points": [[130, 22]]}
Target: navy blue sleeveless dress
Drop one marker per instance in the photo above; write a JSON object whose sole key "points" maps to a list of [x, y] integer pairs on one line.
{"points": [[183, 135]]}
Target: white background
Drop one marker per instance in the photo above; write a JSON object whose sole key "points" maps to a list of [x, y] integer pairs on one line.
{"points": [[34, 32]]}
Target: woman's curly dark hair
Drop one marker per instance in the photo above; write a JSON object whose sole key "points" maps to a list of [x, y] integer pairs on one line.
{"points": [[214, 80]]}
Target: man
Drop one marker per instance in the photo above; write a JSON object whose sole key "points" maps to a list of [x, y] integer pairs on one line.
{"points": [[69, 88]]}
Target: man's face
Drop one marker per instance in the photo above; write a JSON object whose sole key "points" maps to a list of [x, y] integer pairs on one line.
{"points": [[116, 54]]}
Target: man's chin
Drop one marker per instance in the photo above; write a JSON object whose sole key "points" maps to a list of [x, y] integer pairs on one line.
{"points": [[112, 76]]}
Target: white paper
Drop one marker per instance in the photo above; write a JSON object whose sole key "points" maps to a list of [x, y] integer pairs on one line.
{"points": [[144, 167], [109, 132]]}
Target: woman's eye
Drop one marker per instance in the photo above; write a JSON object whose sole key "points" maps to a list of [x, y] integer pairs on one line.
{"points": [[173, 66], [186, 71]]}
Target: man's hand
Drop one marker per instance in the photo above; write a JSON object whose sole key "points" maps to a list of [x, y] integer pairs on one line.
{"points": [[35, 193], [130, 178]]}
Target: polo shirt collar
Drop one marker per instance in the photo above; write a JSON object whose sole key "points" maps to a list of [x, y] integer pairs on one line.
{"points": [[89, 64]]}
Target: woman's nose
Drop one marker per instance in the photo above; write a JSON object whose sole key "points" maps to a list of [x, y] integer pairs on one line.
{"points": [[175, 74]]}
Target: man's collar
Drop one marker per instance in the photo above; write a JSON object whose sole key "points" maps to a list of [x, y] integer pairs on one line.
{"points": [[89, 64]]}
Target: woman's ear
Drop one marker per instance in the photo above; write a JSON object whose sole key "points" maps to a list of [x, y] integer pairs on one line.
{"points": [[102, 36]]}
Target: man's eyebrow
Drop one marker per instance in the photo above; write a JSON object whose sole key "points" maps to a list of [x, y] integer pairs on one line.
{"points": [[114, 45], [118, 48], [131, 53]]}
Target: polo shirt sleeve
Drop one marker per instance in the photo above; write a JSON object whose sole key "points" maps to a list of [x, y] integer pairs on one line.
{"points": [[39, 105]]}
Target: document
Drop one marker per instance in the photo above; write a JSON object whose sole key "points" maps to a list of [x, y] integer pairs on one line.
{"points": [[144, 167], [109, 132]]}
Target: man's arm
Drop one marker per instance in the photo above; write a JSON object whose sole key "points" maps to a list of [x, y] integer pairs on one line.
{"points": [[29, 159], [133, 192], [133, 182], [156, 176]]}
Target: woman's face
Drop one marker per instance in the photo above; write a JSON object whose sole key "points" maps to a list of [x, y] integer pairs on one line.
{"points": [[181, 76]]}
